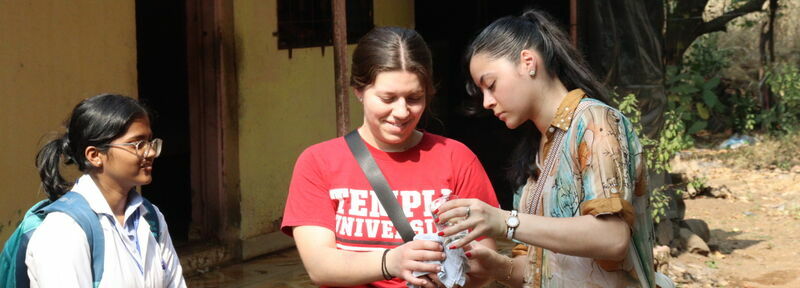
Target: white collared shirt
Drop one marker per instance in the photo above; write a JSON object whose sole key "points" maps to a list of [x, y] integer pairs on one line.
{"points": [[58, 252]]}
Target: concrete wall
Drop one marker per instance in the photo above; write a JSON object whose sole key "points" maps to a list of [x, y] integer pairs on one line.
{"points": [[52, 55], [285, 106]]}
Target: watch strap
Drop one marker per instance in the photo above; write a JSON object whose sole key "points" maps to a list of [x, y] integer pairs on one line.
{"points": [[510, 230]]}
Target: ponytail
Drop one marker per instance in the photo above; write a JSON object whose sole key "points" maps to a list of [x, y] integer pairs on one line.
{"points": [[95, 121], [562, 58], [48, 162], [536, 30]]}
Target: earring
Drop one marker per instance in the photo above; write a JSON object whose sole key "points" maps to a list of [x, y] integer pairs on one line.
{"points": [[532, 72]]}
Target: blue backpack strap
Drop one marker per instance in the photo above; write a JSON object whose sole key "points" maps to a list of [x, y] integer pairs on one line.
{"points": [[74, 205], [18, 245], [22, 269], [152, 219]]}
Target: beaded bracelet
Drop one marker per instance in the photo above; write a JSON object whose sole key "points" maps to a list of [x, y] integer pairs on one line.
{"points": [[385, 270], [510, 270]]}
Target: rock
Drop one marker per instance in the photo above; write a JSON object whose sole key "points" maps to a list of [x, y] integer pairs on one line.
{"points": [[699, 227], [665, 232], [678, 269], [689, 278], [795, 169], [691, 192], [692, 242], [661, 255], [676, 178], [673, 250], [720, 192], [677, 207]]}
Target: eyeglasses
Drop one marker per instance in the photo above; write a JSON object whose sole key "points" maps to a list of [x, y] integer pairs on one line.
{"points": [[144, 147]]}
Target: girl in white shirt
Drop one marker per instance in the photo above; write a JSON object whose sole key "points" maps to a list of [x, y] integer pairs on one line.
{"points": [[109, 138]]}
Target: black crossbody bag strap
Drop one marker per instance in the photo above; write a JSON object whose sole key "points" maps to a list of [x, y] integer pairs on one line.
{"points": [[379, 184]]}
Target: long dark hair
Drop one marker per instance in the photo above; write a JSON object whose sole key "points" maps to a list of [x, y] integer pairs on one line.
{"points": [[536, 30], [94, 122], [385, 49]]}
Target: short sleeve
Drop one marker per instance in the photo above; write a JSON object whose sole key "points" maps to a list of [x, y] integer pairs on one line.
{"points": [[308, 202], [58, 254], [604, 163], [471, 180]]}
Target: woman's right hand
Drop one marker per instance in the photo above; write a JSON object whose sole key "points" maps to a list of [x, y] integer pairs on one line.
{"points": [[411, 256], [479, 218]]}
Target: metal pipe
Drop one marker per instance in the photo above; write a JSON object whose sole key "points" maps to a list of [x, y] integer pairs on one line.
{"points": [[340, 66]]}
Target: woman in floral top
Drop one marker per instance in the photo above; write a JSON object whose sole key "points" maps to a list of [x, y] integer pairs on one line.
{"points": [[583, 216]]}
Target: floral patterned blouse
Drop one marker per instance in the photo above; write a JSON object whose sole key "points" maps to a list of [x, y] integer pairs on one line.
{"points": [[600, 170]]}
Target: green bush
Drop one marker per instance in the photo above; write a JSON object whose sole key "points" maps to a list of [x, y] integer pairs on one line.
{"points": [[659, 201], [671, 139], [744, 110], [692, 88], [705, 57], [784, 82]]}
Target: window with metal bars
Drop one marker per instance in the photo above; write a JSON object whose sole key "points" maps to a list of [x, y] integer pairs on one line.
{"points": [[309, 23]]}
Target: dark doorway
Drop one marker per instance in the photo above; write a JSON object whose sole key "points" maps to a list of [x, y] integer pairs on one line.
{"points": [[448, 27], [161, 56]]}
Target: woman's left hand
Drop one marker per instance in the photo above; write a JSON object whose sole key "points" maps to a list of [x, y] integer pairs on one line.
{"points": [[479, 218], [483, 262]]}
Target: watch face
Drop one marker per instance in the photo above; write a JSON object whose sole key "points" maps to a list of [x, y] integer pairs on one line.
{"points": [[513, 222]]}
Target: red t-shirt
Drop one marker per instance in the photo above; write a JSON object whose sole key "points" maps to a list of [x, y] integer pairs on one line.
{"points": [[328, 189]]}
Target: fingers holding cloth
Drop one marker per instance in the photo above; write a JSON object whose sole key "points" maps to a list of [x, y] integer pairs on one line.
{"points": [[417, 255], [454, 267], [479, 218]]}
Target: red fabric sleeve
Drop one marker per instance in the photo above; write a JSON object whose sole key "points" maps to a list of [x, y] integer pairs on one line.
{"points": [[308, 202], [471, 179]]}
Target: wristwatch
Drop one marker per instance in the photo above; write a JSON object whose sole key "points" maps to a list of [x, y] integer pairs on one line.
{"points": [[512, 222]]}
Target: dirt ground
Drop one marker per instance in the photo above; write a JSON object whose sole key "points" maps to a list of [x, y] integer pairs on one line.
{"points": [[754, 226]]}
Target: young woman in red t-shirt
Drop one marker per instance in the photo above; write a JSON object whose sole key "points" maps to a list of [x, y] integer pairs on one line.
{"points": [[343, 235]]}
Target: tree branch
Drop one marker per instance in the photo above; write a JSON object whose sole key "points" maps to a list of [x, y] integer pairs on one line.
{"points": [[692, 8], [719, 23]]}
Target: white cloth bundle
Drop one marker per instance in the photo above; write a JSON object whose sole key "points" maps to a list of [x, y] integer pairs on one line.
{"points": [[454, 266]]}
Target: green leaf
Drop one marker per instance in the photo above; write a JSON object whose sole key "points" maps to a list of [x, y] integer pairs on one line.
{"points": [[673, 98], [684, 89], [697, 79], [686, 116], [702, 111], [711, 83], [710, 99], [697, 126], [672, 70]]}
